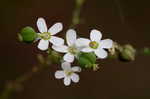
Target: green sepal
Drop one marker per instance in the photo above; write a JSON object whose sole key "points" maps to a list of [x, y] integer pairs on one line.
{"points": [[27, 35], [86, 60]]}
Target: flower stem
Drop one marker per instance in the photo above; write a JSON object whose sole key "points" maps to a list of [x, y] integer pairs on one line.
{"points": [[17, 84], [76, 15]]}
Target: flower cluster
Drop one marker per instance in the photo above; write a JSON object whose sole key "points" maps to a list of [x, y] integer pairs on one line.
{"points": [[75, 48]]}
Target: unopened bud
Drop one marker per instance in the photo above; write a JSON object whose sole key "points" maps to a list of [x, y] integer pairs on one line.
{"points": [[128, 53], [87, 60], [27, 35]]}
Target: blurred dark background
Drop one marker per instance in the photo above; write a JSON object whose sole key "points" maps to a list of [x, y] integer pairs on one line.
{"points": [[125, 21]]}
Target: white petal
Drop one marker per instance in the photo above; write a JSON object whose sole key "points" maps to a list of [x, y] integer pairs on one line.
{"points": [[82, 42], [66, 66], [43, 44], [87, 49], [71, 37], [101, 53], [55, 28], [68, 57], [61, 48], [76, 69], [56, 41], [75, 77], [59, 74], [107, 43], [41, 24], [67, 81], [95, 35]]}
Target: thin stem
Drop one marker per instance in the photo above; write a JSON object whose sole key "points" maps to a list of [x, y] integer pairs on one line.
{"points": [[120, 11], [76, 15], [17, 84]]}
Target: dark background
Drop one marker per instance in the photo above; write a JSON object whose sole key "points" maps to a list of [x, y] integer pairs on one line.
{"points": [[125, 21]]}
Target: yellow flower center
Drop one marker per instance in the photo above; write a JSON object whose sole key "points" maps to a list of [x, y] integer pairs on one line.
{"points": [[68, 73], [94, 44], [45, 35], [73, 50]]}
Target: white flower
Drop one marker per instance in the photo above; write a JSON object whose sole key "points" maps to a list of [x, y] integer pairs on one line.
{"points": [[68, 73], [71, 50], [95, 44], [46, 35]]}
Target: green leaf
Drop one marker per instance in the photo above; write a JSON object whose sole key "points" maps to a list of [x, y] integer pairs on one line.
{"points": [[27, 35]]}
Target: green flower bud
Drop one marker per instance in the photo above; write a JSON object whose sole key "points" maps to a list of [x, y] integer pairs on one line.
{"points": [[80, 2], [41, 58], [54, 57], [146, 51], [86, 60], [128, 53], [27, 35]]}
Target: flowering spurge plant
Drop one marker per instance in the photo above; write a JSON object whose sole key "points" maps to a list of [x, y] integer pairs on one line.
{"points": [[82, 51]]}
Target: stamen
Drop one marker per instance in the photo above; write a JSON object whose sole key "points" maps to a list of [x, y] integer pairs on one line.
{"points": [[94, 44], [73, 50], [45, 35], [68, 73]]}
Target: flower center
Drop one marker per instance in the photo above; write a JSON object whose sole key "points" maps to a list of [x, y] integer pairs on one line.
{"points": [[73, 50], [68, 73], [93, 44], [45, 35]]}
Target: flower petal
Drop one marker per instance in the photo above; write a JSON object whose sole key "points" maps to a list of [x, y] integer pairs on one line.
{"points": [[62, 48], [107, 43], [82, 42], [95, 35], [101, 53], [66, 66], [87, 49], [55, 28], [75, 77], [67, 81], [59, 74], [68, 57], [41, 24], [43, 44], [71, 37], [76, 69], [56, 41]]}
